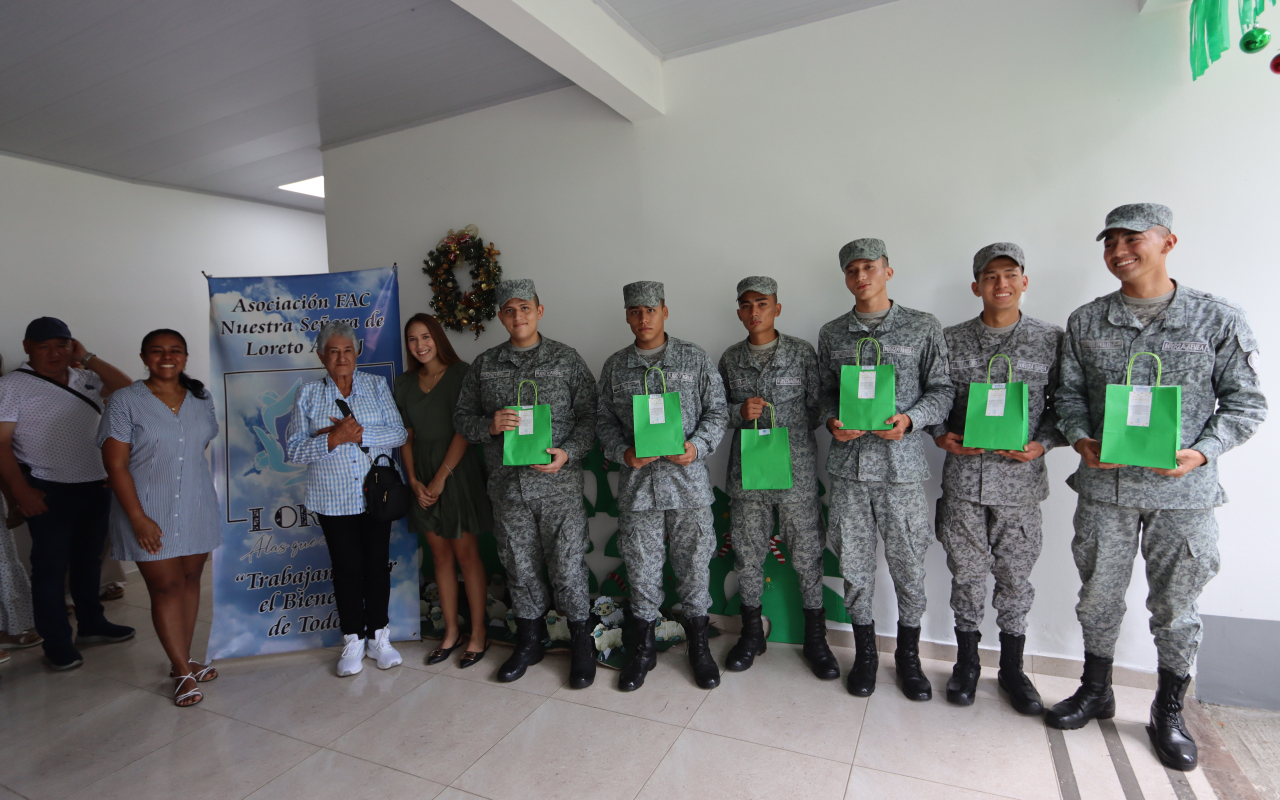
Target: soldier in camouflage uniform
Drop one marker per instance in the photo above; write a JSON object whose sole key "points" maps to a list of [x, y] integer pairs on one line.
{"points": [[989, 514], [539, 515], [772, 369], [666, 497], [1207, 347], [877, 477]]}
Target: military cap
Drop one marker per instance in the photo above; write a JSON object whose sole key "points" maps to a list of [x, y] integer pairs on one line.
{"points": [[998, 250], [757, 283], [521, 288], [643, 293], [870, 249], [1140, 217]]}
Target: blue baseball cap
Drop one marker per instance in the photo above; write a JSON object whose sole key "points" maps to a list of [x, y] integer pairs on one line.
{"points": [[45, 328]]}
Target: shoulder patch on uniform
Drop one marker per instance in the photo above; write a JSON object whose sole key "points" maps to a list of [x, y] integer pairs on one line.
{"points": [[786, 381], [899, 349], [1031, 366], [1253, 361], [551, 373], [1185, 347], [488, 375], [1102, 344]]}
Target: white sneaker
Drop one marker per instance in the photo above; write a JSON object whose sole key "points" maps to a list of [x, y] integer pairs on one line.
{"points": [[352, 660], [379, 649]]}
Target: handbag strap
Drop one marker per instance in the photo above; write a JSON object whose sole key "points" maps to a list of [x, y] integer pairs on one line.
{"points": [[83, 397], [520, 388], [993, 360], [1128, 377], [773, 418], [660, 372], [858, 354]]}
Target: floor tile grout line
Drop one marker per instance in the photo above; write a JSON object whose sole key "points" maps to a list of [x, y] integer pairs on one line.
{"points": [[476, 760], [938, 783], [862, 726], [665, 753]]}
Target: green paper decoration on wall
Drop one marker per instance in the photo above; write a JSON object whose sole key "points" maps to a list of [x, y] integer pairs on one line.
{"points": [[1211, 30]]}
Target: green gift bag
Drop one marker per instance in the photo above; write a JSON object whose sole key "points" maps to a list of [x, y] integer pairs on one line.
{"points": [[868, 395], [766, 455], [996, 417], [656, 419], [528, 444], [1142, 425]]}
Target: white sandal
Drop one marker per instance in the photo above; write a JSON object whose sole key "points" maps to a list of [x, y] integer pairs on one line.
{"points": [[200, 674], [178, 683]]}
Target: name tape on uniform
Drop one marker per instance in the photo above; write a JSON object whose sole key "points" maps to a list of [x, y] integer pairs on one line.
{"points": [[1140, 407], [968, 363], [900, 349], [867, 383], [1031, 366], [1102, 344], [526, 420], [550, 373], [788, 382], [1185, 347], [487, 375], [996, 399], [657, 410]]}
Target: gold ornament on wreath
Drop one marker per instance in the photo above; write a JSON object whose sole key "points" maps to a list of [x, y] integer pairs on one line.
{"points": [[455, 309]]}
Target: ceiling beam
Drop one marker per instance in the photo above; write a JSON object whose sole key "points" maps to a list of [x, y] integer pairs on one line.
{"points": [[581, 41]]}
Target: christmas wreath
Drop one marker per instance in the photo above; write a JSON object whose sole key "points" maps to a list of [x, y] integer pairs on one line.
{"points": [[458, 310]]}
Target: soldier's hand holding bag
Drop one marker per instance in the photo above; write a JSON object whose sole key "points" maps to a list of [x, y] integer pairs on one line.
{"points": [[528, 444], [766, 455], [1142, 425], [656, 421]]}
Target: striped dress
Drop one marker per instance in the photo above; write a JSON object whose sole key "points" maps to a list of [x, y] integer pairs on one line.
{"points": [[170, 471]]}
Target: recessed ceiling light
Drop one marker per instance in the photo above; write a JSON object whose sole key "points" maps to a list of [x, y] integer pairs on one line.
{"points": [[312, 186]]}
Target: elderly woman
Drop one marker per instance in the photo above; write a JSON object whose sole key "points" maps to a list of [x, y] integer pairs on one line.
{"points": [[341, 424]]}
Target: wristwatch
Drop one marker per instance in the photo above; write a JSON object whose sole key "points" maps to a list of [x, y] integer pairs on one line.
{"points": [[84, 362]]}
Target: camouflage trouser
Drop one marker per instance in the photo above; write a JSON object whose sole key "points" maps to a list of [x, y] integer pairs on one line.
{"points": [[1180, 547], [983, 540], [900, 513], [693, 542], [750, 528], [550, 530]]}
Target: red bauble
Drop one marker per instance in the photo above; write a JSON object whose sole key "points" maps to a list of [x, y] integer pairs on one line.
{"points": [[1275, 64]]}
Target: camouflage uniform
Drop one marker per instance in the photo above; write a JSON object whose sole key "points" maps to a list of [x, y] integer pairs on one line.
{"points": [[1207, 348], [876, 484], [663, 496], [989, 513], [538, 517], [790, 382]]}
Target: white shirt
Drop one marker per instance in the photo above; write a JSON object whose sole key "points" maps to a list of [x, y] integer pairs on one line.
{"points": [[56, 432]]}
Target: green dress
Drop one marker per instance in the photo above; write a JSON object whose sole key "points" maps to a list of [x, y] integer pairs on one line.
{"points": [[463, 506]]}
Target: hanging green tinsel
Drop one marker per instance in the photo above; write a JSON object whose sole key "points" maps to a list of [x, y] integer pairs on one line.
{"points": [[1211, 29]]}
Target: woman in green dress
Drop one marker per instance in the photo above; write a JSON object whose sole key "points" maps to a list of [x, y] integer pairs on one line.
{"points": [[447, 478]]}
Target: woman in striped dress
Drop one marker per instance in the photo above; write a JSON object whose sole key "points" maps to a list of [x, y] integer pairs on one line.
{"points": [[164, 513]]}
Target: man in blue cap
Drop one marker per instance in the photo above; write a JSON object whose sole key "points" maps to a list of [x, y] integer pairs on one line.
{"points": [[50, 408]]}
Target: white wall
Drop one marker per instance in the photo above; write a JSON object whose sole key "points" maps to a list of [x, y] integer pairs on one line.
{"points": [[936, 125], [115, 259]]}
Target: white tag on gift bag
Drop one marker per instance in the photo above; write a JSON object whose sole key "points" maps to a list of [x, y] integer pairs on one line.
{"points": [[867, 383], [657, 410], [996, 399], [1140, 406], [526, 420], [766, 431]]}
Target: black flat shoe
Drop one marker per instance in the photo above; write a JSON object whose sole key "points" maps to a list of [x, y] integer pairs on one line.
{"points": [[470, 657], [442, 653]]}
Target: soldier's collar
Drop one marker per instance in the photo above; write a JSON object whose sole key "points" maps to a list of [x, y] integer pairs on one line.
{"points": [[1120, 314], [634, 359], [856, 324], [745, 359]]}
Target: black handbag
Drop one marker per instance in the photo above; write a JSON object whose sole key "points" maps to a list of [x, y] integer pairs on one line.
{"points": [[386, 498]]}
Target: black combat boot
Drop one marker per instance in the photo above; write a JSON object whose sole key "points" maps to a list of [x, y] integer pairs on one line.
{"points": [[582, 654], [862, 678], [821, 660], [963, 686], [644, 656], [1168, 730], [530, 634], [915, 686], [750, 644], [1022, 692], [705, 672], [1093, 700]]}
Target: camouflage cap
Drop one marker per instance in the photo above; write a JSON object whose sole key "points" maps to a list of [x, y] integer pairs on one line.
{"points": [[757, 283], [998, 250], [522, 288], [870, 249], [1140, 217], [643, 293]]}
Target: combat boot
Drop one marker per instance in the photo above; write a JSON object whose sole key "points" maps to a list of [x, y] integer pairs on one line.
{"points": [[1022, 692], [1093, 700], [1168, 730], [644, 656], [582, 654], [821, 660], [862, 678], [705, 672], [963, 686], [915, 686], [530, 634], [750, 644]]}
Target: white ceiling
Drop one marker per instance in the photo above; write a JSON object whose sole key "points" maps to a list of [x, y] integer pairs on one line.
{"points": [[237, 97]]}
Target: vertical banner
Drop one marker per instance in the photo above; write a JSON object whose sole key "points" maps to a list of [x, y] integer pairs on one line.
{"points": [[272, 590]]}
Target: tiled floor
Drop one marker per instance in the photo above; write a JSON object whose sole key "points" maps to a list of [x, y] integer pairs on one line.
{"points": [[284, 727]]}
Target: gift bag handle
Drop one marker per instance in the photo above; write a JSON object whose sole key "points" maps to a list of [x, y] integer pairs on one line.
{"points": [[520, 388], [646, 379], [858, 354], [1128, 378], [773, 418], [993, 360]]}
